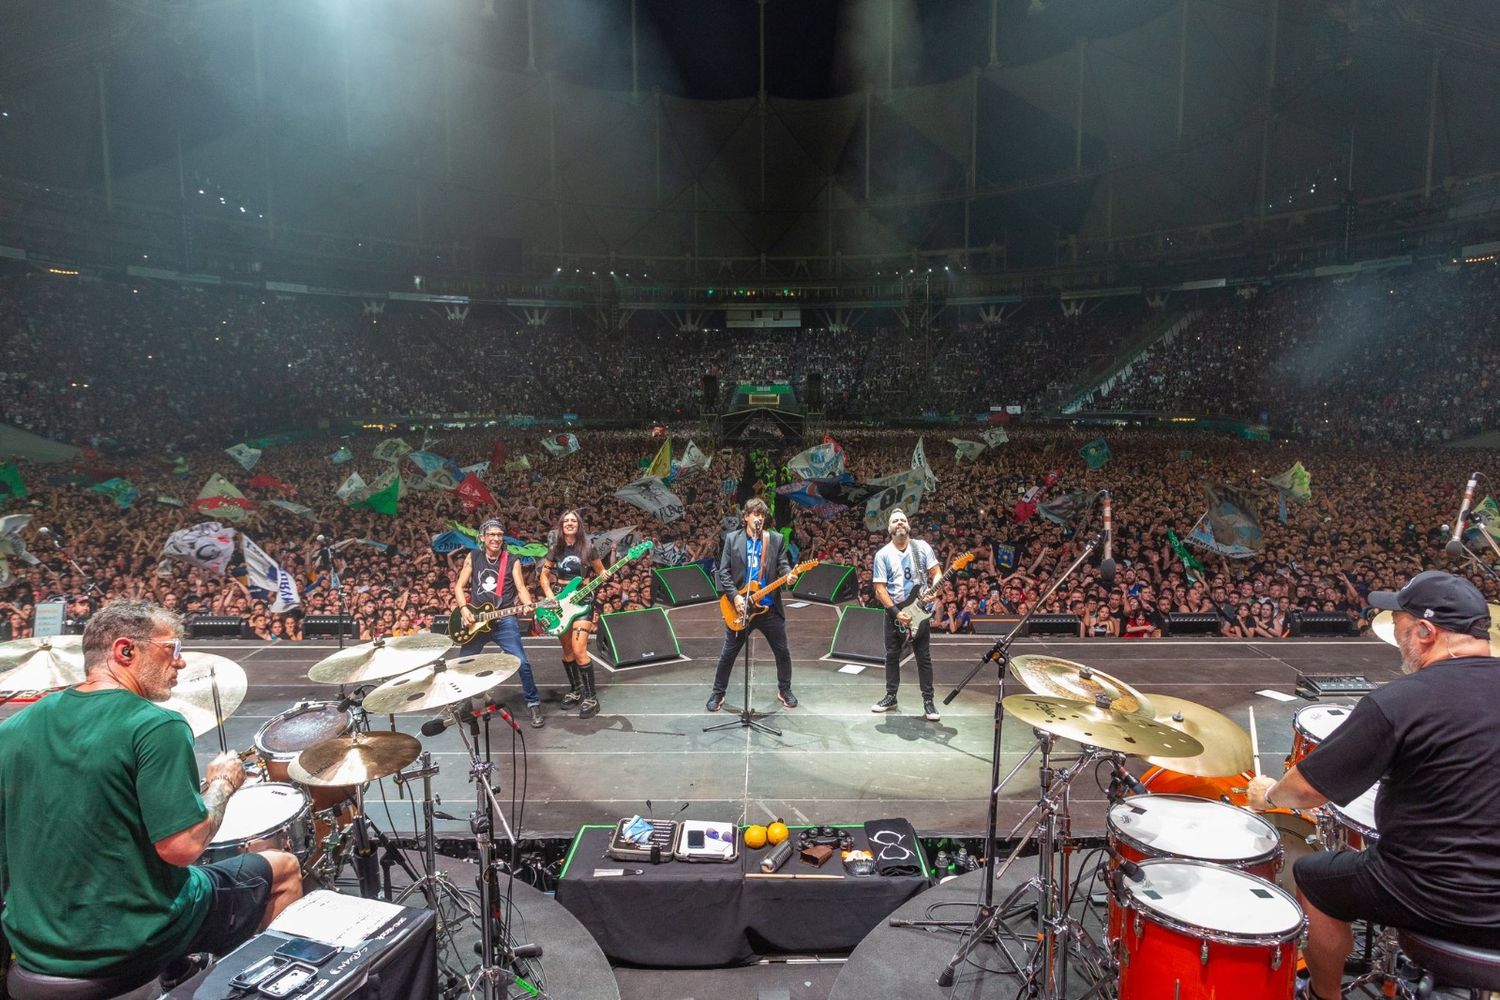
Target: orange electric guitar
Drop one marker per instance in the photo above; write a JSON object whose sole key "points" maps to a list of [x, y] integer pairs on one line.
{"points": [[752, 593]]}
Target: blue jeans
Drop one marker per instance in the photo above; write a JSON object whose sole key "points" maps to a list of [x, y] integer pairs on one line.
{"points": [[506, 634]]}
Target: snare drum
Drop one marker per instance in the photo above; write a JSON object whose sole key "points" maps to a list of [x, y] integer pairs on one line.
{"points": [[1311, 726], [1352, 827], [267, 816], [284, 737], [1197, 931]]}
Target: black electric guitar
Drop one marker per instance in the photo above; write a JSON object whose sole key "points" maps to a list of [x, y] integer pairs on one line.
{"points": [[485, 616], [918, 602]]}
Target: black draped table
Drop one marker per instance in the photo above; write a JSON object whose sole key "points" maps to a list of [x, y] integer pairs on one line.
{"points": [[706, 915]]}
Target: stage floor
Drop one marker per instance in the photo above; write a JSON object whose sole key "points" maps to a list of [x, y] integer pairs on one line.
{"points": [[836, 760]]}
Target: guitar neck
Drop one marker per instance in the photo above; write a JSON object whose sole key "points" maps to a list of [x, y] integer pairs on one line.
{"points": [[516, 609], [588, 589]]}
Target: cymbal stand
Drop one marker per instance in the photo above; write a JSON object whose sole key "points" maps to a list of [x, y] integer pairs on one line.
{"points": [[432, 880]]}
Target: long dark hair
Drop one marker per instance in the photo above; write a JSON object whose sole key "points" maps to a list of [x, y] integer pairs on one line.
{"points": [[582, 548]]}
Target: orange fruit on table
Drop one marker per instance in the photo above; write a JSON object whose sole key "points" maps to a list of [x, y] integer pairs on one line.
{"points": [[755, 837], [777, 832]]}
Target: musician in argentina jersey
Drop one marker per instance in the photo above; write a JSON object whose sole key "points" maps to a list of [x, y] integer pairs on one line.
{"points": [[491, 575], [570, 556], [900, 568]]}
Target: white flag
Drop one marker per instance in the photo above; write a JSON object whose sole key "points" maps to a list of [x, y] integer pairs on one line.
{"points": [[651, 495], [670, 554], [693, 457], [824, 461], [919, 461], [904, 490], [12, 545], [995, 437], [559, 445], [392, 450], [267, 574], [353, 488], [204, 546], [245, 455], [606, 542], [967, 449]]}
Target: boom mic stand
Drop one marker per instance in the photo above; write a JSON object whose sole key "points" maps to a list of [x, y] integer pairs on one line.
{"points": [[988, 917]]}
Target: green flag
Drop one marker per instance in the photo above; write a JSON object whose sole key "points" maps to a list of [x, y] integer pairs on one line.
{"points": [[383, 502], [10, 481], [1189, 561], [1095, 453], [1295, 482]]}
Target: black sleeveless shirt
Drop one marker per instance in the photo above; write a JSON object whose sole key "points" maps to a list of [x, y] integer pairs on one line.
{"points": [[485, 583]]}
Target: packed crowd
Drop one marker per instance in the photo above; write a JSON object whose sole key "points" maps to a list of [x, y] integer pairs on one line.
{"points": [[1373, 521]]}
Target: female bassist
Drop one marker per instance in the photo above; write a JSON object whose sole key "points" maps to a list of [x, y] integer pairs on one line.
{"points": [[571, 555]]}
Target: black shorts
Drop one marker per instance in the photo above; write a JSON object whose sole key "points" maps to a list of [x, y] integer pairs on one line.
{"points": [[237, 902], [1343, 885]]}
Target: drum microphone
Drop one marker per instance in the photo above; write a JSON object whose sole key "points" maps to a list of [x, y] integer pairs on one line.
{"points": [[1129, 780], [1132, 871], [1107, 564], [1455, 546], [433, 727]]}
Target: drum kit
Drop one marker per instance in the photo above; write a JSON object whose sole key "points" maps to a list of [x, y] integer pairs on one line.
{"points": [[310, 765], [1196, 905]]}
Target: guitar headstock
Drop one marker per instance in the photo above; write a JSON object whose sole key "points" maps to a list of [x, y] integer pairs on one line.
{"points": [[961, 562], [639, 549], [804, 567]]}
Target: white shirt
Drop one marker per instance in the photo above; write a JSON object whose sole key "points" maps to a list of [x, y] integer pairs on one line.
{"points": [[894, 568]]}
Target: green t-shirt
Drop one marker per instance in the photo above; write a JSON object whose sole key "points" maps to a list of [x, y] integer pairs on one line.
{"points": [[88, 783]]}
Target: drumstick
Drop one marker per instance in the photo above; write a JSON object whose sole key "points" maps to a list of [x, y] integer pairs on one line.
{"points": [[213, 683], [1254, 741]]}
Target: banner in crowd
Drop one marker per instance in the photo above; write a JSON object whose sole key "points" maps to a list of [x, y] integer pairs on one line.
{"points": [[381, 501], [477, 469], [385, 548], [995, 437], [169, 501], [693, 459], [427, 461], [1095, 453], [614, 540], [390, 477], [821, 461], [903, 489], [499, 452], [1485, 517], [208, 545], [121, 491], [265, 481], [392, 450], [296, 508], [518, 464], [352, 488], [179, 464], [1295, 482], [445, 542], [1005, 556], [560, 445], [1232, 518], [1201, 538], [651, 495], [474, 494], [967, 449], [341, 456], [661, 465], [439, 479], [919, 462], [669, 554], [1190, 562], [223, 498], [1027, 505], [267, 574], [1070, 509], [245, 455], [11, 486], [12, 545]]}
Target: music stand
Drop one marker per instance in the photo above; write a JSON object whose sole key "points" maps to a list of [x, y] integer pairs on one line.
{"points": [[747, 718]]}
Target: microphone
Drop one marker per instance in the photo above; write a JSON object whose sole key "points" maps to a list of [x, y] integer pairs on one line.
{"points": [[1129, 780], [1455, 546], [525, 951], [509, 719], [1132, 871], [433, 727], [1107, 564]]}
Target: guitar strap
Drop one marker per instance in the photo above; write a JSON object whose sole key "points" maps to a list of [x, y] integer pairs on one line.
{"points": [[915, 565], [504, 565]]}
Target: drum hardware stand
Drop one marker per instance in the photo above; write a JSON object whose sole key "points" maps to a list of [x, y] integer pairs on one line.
{"points": [[1383, 977], [432, 881], [748, 717]]}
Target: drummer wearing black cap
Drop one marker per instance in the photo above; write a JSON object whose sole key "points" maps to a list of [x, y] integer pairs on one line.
{"points": [[1431, 738]]}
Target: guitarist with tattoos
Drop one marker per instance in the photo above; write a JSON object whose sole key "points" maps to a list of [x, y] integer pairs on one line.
{"points": [[754, 554], [903, 567], [489, 576]]}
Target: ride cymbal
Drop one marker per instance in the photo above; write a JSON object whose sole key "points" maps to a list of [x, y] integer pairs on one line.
{"points": [[41, 664], [354, 760], [1058, 678], [377, 660], [192, 696], [440, 684], [1100, 727], [1226, 746]]}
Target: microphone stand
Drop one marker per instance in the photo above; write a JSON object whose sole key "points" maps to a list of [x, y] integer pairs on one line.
{"points": [[1484, 531], [988, 916], [337, 586]]}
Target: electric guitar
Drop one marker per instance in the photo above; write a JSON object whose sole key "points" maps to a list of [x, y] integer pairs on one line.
{"points": [[753, 592], [573, 601], [916, 603], [485, 616]]}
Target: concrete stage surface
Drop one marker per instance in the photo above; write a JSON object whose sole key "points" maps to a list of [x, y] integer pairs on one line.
{"points": [[836, 760]]}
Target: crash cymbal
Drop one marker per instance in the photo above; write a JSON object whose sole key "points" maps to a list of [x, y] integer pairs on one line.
{"points": [[354, 760], [443, 683], [43, 664], [1100, 727], [1058, 678], [373, 661], [193, 695], [1384, 626], [1226, 746]]}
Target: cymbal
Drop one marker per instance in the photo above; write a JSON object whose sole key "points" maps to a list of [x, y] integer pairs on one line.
{"points": [[1100, 727], [443, 683], [1058, 678], [192, 696], [377, 660], [354, 760], [41, 664], [1227, 749], [1384, 626]]}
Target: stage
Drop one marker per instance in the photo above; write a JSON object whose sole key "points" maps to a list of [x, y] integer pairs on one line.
{"points": [[836, 760]]}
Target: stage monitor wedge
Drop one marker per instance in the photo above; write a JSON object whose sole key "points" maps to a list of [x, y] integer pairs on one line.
{"points": [[827, 583], [679, 586], [633, 638], [860, 635]]}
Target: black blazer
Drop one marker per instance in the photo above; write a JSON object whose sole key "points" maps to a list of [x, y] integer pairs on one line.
{"points": [[731, 572]]}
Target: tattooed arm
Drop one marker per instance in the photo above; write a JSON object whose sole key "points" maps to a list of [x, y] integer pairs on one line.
{"points": [[225, 775]]}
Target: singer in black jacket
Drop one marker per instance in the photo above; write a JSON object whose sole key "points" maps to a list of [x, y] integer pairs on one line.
{"points": [[754, 552]]}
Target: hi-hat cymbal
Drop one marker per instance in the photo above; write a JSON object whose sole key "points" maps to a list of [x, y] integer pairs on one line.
{"points": [[1100, 727], [1384, 626], [354, 760], [41, 664], [192, 696], [1226, 747], [377, 660], [1058, 678], [443, 683]]}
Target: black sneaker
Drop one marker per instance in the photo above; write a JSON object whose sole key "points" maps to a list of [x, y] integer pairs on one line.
{"points": [[536, 717], [787, 698], [929, 711], [885, 704], [588, 708], [715, 702]]}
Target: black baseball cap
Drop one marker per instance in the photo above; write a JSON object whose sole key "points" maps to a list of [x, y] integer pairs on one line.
{"points": [[1449, 602]]}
